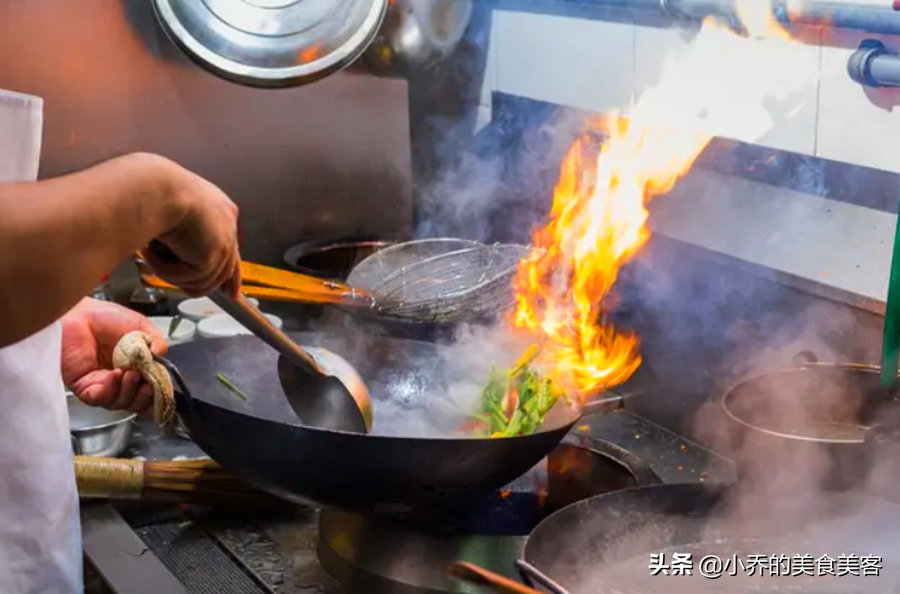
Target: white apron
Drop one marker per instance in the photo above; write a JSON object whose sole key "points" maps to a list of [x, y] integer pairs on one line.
{"points": [[40, 534]]}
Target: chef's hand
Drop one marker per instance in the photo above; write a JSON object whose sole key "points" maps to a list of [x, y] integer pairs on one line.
{"points": [[91, 331], [203, 240]]}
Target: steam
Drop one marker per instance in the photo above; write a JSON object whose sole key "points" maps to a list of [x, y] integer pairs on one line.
{"points": [[463, 366], [787, 469], [486, 191]]}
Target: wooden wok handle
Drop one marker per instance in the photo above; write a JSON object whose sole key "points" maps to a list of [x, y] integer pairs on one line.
{"points": [[476, 575]]}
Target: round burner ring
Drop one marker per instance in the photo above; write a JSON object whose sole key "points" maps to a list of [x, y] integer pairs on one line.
{"points": [[380, 555]]}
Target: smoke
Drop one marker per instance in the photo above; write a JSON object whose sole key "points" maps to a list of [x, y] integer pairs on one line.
{"points": [[417, 406], [498, 185]]}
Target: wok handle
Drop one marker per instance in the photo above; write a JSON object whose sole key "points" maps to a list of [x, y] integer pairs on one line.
{"points": [[530, 572], [804, 358], [183, 396], [476, 575], [180, 384], [606, 401]]}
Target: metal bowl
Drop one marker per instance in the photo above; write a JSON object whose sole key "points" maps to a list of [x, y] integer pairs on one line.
{"points": [[99, 432], [272, 43], [417, 35]]}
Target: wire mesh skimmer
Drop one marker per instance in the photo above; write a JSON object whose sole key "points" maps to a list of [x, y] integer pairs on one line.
{"points": [[440, 280]]}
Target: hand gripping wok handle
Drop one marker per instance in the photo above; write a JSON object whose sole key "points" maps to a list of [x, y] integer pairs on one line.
{"points": [[255, 321]]}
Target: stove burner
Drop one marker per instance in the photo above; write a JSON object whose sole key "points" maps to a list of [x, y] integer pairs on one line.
{"points": [[387, 556]]}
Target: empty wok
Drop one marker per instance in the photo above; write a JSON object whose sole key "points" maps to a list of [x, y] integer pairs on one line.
{"points": [[605, 543], [260, 439]]}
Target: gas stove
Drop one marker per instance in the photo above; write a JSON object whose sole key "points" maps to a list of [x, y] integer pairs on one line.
{"points": [[310, 551]]}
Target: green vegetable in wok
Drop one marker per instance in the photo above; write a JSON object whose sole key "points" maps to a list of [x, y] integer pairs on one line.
{"points": [[516, 402], [230, 385]]}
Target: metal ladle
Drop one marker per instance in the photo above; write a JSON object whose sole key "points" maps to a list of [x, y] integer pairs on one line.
{"points": [[327, 393]]}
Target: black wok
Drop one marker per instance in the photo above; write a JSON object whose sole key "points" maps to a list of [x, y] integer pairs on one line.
{"points": [[260, 439], [604, 544], [815, 420]]}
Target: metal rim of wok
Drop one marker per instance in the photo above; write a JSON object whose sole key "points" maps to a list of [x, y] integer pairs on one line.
{"points": [[384, 474], [737, 390], [536, 564], [679, 514]]}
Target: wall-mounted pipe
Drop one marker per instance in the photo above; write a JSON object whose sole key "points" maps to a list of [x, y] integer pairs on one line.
{"points": [[874, 16], [872, 65]]}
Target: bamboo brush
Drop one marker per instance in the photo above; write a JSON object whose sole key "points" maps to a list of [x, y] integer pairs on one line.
{"points": [[184, 481]]}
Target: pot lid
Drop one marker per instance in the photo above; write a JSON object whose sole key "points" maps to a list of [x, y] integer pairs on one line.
{"points": [[272, 43]]}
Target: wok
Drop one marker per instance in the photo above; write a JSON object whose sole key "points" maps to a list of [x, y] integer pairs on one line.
{"points": [[261, 440], [605, 543], [815, 419]]}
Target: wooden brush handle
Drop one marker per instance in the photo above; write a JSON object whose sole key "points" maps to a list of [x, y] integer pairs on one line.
{"points": [[109, 478]]}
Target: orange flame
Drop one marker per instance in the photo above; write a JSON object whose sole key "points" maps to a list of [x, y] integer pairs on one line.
{"points": [[598, 218]]}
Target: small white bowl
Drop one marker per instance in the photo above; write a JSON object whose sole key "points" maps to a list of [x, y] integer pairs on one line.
{"points": [[185, 332], [203, 307], [223, 325]]}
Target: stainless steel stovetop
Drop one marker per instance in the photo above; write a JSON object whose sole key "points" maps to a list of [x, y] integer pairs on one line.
{"points": [[205, 552]]}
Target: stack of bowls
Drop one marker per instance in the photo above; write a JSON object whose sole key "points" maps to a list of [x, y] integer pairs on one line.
{"points": [[212, 322]]}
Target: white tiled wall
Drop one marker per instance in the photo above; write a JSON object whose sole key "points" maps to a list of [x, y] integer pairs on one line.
{"points": [[793, 116], [537, 55], [602, 66]]}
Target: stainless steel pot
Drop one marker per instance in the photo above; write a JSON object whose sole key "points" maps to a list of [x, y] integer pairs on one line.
{"points": [[416, 35], [99, 432]]}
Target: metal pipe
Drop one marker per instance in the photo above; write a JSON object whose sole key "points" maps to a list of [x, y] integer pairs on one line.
{"points": [[874, 16], [872, 65]]}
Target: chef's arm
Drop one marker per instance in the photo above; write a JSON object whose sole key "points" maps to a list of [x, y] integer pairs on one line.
{"points": [[59, 237]]}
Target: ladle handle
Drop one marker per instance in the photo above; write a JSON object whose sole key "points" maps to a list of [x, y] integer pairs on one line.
{"points": [[250, 318], [256, 322]]}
